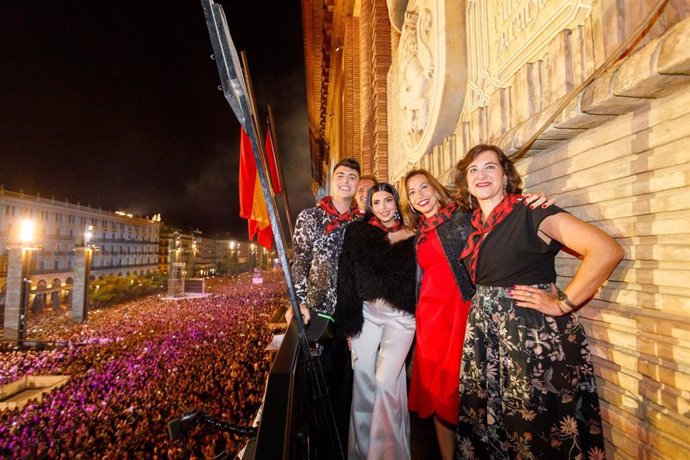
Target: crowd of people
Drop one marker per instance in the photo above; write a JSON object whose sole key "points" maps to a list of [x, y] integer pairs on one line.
{"points": [[136, 366]]}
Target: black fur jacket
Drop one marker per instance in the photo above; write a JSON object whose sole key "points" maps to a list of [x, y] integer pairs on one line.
{"points": [[370, 268]]}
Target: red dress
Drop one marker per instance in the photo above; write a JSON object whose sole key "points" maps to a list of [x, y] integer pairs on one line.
{"points": [[441, 318]]}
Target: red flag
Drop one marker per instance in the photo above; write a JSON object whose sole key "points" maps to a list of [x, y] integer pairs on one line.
{"points": [[271, 160], [252, 203]]}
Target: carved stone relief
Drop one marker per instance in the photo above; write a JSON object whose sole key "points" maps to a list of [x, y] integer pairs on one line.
{"points": [[428, 79], [417, 70], [504, 35], [396, 13]]}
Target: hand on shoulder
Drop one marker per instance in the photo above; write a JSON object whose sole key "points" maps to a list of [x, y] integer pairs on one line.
{"points": [[538, 199], [400, 235]]}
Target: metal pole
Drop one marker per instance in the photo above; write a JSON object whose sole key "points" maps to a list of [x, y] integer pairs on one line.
{"points": [[235, 92], [274, 138], [88, 255], [241, 102]]}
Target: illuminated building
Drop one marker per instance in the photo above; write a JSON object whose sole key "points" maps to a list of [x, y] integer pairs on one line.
{"points": [[124, 244]]}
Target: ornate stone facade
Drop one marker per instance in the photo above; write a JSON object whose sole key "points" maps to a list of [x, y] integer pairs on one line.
{"points": [[428, 80], [616, 155], [126, 244]]}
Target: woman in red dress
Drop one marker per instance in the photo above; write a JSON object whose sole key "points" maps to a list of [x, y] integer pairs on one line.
{"points": [[444, 295]]}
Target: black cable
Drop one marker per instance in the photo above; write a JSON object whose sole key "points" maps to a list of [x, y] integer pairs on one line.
{"points": [[179, 428]]}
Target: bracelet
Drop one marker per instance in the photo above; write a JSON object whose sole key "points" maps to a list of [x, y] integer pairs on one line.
{"points": [[560, 307], [562, 297]]}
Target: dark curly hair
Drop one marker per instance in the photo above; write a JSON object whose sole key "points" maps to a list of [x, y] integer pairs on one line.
{"points": [[513, 185]]}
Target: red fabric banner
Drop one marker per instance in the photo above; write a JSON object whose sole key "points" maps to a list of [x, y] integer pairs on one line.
{"points": [[252, 203]]}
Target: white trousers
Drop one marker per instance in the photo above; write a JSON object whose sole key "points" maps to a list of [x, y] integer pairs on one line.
{"points": [[379, 418]]}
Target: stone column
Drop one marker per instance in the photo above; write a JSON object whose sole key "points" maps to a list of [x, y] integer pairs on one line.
{"points": [[15, 298], [80, 291], [380, 63]]}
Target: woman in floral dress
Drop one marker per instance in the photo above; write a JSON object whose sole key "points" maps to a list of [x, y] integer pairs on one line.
{"points": [[527, 387]]}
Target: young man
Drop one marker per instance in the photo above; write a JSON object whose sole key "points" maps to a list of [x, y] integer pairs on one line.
{"points": [[365, 183], [317, 243]]}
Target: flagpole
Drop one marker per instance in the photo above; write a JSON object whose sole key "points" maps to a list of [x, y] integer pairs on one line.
{"points": [[254, 116], [272, 130], [236, 93]]}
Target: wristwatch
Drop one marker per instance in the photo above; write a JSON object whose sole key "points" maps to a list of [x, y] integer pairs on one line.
{"points": [[562, 297]]}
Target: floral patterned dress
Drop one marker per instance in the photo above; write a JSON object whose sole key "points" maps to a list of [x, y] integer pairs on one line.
{"points": [[527, 387]]}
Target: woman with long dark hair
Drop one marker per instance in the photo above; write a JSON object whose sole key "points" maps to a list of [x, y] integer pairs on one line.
{"points": [[375, 310]]}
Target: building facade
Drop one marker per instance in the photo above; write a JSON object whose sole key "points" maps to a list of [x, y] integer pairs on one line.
{"points": [[123, 244], [592, 100]]}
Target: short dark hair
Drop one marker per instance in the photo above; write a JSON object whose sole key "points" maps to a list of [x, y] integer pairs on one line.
{"points": [[369, 177], [351, 163], [513, 184]]}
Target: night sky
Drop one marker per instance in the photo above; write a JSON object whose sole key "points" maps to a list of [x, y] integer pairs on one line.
{"points": [[116, 104]]}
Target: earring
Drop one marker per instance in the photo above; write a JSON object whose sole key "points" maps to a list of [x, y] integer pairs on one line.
{"points": [[438, 197], [396, 216], [471, 201], [505, 187]]}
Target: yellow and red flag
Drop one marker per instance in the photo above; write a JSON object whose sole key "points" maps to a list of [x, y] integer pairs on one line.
{"points": [[252, 203]]}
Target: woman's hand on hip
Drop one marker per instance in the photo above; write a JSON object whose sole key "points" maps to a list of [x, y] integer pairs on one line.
{"points": [[537, 299]]}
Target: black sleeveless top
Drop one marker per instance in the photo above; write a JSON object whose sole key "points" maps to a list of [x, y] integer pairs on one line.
{"points": [[513, 253]]}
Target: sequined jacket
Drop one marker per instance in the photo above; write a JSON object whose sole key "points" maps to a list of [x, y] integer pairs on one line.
{"points": [[315, 260], [453, 236]]}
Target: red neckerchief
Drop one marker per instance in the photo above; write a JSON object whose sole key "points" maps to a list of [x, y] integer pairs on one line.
{"points": [[336, 219], [376, 222], [476, 238], [427, 224]]}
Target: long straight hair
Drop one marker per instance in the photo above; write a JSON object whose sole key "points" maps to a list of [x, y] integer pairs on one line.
{"points": [[382, 187]]}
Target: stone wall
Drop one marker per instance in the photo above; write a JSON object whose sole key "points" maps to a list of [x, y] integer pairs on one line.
{"points": [[631, 178], [618, 157]]}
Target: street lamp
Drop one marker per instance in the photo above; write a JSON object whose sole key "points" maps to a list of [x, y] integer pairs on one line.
{"points": [[88, 236], [26, 232], [26, 238]]}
